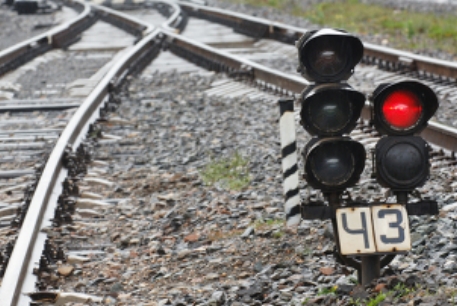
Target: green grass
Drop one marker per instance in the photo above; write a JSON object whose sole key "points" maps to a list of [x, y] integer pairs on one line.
{"points": [[328, 290], [230, 173], [399, 294], [401, 290], [422, 30], [270, 223], [377, 299], [278, 234]]}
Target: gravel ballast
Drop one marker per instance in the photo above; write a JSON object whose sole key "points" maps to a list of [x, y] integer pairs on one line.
{"points": [[170, 239], [167, 238]]}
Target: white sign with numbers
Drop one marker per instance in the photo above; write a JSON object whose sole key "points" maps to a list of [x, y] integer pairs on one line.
{"points": [[375, 229]]}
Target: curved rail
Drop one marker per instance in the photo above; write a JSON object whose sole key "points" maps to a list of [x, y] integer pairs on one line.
{"points": [[125, 21], [57, 37], [53, 173], [262, 28], [78, 125], [71, 135], [176, 21], [436, 133]]}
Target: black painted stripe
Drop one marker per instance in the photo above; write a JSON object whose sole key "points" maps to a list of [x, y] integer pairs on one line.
{"points": [[289, 149], [290, 171], [293, 212], [291, 193], [286, 105]]}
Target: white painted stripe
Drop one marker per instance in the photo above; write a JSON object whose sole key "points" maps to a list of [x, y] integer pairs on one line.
{"points": [[287, 129], [289, 161], [291, 183], [293, 221], [291, 203], [287, 134]]}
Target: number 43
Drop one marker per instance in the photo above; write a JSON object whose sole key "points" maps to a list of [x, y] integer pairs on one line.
{"points": [[375, 229]]}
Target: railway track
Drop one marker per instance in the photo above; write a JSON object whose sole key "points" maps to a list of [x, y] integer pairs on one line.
{"points": [[253, 82]]}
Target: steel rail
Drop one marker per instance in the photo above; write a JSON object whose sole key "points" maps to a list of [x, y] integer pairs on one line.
{"points": [[9, 57], [78, 125], [263, 28], [58, 37], [19, 264], [436, 133], [173, 22], [237, 64], [129, 23]]}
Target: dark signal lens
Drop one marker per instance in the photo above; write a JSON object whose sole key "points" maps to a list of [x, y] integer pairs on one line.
{"points": [[330, 109], [329, 59], [402, 162], [331, 114], [332, 165], [402, 109], [328, 55]]}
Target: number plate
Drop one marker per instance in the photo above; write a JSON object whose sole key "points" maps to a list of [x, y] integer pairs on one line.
{"points": [[375, 229]]}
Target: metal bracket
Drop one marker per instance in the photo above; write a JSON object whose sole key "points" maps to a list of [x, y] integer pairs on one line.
{"points": [[316, 210], [422, 208]]}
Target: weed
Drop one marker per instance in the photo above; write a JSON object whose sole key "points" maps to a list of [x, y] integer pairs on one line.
{"points": [[377, 299], [261, 224], [328, 290], [355, 302], [401, 290], [277, 234], [231, 173]]}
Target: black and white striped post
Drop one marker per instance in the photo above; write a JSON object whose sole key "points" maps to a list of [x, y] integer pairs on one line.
{"points": [[289, 162]]}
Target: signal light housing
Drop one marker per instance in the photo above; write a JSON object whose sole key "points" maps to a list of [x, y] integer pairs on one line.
{"points": [[402, 162], [328, 55], [403, 108], [330, 109], [333, 164]]}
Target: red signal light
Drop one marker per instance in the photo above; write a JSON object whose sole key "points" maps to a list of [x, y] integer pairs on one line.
{"points": [[402, 109]]}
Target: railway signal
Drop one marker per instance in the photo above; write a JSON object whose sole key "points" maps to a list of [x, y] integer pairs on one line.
{"points": [[367, 235], [330, 109], [400, 111]]}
